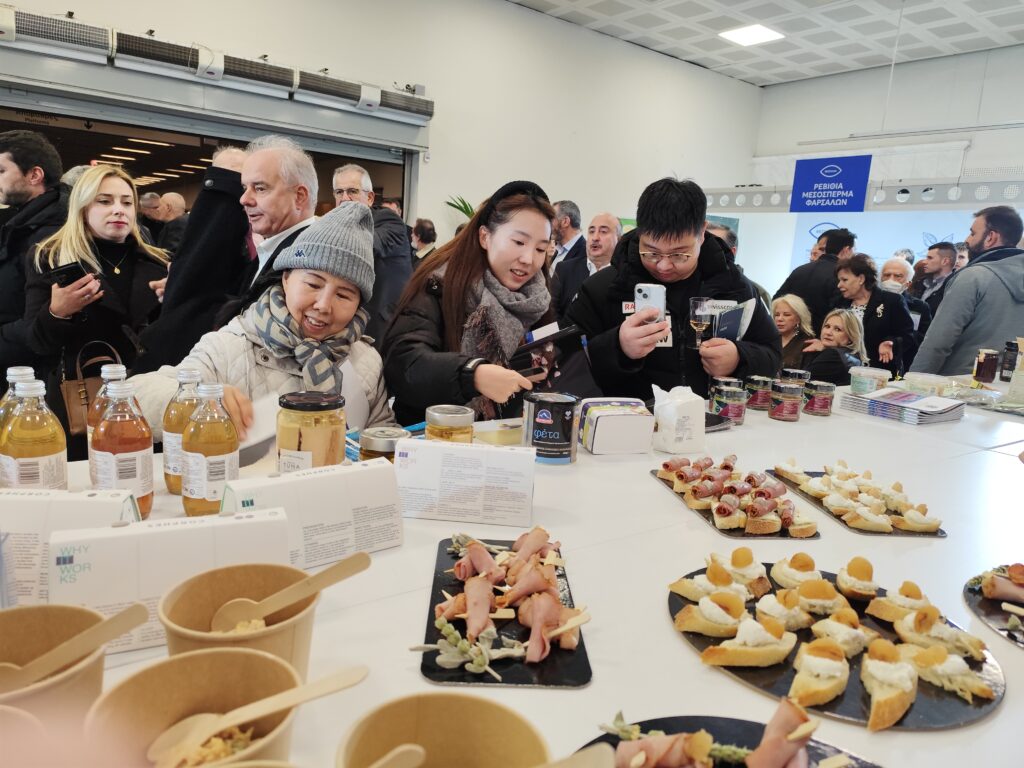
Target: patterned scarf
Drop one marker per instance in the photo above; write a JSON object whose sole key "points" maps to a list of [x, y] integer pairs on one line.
{"points": [[321, 361]]}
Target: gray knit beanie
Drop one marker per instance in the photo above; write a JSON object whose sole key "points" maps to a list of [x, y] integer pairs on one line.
{"points": [[339, 243]]}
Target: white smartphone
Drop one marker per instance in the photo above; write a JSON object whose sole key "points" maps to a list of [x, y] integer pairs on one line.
{"points": [[650, 295]]}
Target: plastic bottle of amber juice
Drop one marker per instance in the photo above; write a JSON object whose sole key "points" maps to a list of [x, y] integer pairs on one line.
{"points": [[15, 374], [122, 448], [176, 418], [108, 373], [209, 453], [33, 447]]}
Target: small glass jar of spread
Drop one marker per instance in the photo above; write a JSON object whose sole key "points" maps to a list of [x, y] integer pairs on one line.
{"points": [[985, 366], [787, 400], [730, 402], [759, 393], [450, 423], [380, 442], [795, 376], [717, 382], [818, 397], [310, 430]]}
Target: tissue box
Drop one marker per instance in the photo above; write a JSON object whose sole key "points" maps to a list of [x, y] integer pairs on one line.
{"points": [[28, 517], [332, 512], [108, 568], [610, 425]]}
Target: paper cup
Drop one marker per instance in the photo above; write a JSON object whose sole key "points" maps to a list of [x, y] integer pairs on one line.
{"points": [[24, 740], [453, 728], [61, 700], [187, 610], [125, 719]]}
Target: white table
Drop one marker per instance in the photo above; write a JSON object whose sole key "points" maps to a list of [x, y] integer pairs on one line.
{"points": [[625, 538]]}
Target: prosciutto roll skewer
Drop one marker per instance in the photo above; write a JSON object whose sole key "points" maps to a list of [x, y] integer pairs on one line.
{"points": [[688, 474], [451, 607], [775, 750], [717, 474], [727, 505], [786, 510], [1011, 589], [675, 463], [533, 578], [738, 487], [479, 604], [478, 560], [760, 507], [676, 750], [729, 462], [770, 489], [704, 463], [755, 478], [541, 613], [705, 488]]}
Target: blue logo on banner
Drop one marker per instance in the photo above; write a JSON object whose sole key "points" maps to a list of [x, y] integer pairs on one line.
{"points": [[829, 184]]}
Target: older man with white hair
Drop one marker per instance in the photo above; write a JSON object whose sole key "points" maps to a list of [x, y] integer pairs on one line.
{"points": [[895, 277]]}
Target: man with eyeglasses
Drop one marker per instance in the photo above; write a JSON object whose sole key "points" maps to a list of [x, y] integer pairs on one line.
{"points": [[392, 247], [631, 351]]}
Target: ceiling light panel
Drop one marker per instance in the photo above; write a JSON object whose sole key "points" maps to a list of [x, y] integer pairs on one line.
{"points": [[755, 34]]}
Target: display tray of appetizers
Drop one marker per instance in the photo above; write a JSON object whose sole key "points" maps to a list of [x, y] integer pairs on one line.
{"points": [[501, 613], [836, 642], [858, 502], [997, 598]]}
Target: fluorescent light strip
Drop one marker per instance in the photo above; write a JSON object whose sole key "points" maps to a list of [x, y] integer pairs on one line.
{"points": [[197, 167], [167, 175], [181, 170], [755, 34], [206, 159], [132, 149], [107, 162], [120, 157], [154, 143]]}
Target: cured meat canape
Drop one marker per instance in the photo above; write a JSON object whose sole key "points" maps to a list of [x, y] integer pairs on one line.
{"points": [[543, 613], [478, 560]]}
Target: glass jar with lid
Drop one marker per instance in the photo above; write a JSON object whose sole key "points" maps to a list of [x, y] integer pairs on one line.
{"points": [[451, 423], [380, 442], [310, 430]]}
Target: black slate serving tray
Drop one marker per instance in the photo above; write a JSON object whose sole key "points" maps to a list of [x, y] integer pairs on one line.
{"points": [[561, 669], [729, 730], [933, 709], [731, 533], [991, 614], [816, 503]]}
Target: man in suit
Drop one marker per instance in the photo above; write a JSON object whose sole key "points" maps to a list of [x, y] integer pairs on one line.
{"points": [[815, 282], [939, 263], [602, 236], [565, 231], [175, 219]]}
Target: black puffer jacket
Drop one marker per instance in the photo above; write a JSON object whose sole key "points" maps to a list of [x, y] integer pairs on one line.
{"points": [[815, 283], [831, 364], [391, 268], [38, 219], [598, 311]]}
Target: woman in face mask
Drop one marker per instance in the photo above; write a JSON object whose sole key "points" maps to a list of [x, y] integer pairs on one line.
{"points": [[793, 319], [839, 348], [888, 327]]}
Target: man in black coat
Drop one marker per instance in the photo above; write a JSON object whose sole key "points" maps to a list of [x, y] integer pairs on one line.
{"points": [[939, 263], [30, 171], [602, 236], [630, 351], [895, 278], [815, 282]]}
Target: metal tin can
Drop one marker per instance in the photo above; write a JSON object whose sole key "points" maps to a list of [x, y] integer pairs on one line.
{"points": [[379, 442], [717, 382], [551, 422], [818, 397], [759, 393], [787, 399], [730, 402], [795, 376]]}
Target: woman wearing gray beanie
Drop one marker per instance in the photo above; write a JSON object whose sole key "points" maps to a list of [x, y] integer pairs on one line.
{"points": [[304, 333], [467, 308]]}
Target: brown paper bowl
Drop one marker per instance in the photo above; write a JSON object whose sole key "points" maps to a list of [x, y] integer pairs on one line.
{"points": [[60, 700], [125, 719], [454, 729], [187, 609], [24, 740]]}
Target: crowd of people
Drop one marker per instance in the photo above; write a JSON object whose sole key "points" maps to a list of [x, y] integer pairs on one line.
{"points": [[265, 297]]}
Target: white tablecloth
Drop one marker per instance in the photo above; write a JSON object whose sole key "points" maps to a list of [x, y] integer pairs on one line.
{"points": [[625, 538]]}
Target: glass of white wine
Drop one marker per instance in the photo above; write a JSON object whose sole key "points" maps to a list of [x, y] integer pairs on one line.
{"points": [[700, 316]]}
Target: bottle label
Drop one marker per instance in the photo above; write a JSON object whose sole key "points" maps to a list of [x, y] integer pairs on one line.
{"points": [[172, 453], [45, 472], [293, 461], [131, 471], [203, 477]]}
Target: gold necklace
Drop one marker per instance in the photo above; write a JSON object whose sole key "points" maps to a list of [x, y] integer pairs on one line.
{"points": [[116, 267]]}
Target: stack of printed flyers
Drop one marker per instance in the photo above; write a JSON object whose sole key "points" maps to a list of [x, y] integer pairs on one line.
{"points": [[901, 405]]}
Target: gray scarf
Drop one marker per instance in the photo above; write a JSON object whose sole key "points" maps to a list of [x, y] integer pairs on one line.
{"points": [[321, 361], [499, 318]]}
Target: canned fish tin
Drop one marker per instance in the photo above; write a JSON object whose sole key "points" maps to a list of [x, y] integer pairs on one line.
{"points": [[759, 393], [818, 397], [717, 382], [551, 422], [730, 402], [786, 401], [795, 376]]}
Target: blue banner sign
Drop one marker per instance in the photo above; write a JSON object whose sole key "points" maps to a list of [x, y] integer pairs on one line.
{"points": [[827, 184]]}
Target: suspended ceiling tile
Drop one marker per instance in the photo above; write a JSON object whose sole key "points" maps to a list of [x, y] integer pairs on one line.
{"points": [[687, 10], [847, 12], [984, 6], [610, 8], [1004, 20], [578, 18], [722, 23], [646, 21], [949, 31], [928, 15]]}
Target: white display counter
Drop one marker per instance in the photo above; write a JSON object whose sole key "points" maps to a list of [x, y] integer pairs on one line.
{"points": [[625, 538]]}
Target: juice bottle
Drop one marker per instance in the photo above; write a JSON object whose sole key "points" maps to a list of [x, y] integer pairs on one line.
{"points": [[33, 447], [108, 373], [15, 374], [122, 448], [209, 448], [176, 417]]}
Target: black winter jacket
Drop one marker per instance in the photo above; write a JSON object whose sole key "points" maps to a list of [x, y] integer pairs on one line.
{"points": [[831, 364], [815, 283], [886, 318], [598, 311], [34, 222], [391, 268]]}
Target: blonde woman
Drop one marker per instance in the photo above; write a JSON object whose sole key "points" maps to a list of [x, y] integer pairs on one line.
{"points": [[839, 348], [90, 281], [793, 319]]}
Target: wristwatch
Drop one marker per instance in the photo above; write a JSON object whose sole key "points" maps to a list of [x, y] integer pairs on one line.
{"points": [[466, 373]]}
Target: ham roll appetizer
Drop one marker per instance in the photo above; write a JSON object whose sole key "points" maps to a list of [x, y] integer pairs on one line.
{"points": [[675, 463], [770, 489], [478, 560], [737, 487], [755, 478], [1009, 588], [729, 462]]}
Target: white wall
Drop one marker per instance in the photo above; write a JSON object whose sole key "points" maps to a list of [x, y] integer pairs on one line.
{"points": [[517, 94]]}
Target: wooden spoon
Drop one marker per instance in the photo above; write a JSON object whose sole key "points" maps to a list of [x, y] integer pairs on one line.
{"points": [[402, 756], [229, 615], [172, 746], [598, 756], [76, 647]]}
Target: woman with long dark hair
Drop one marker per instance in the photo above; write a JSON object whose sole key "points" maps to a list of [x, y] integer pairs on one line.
{"points": [[468, 307]]}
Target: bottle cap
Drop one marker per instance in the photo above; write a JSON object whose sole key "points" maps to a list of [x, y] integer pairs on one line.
{"points": [[120, 389], [210, 391], [18, 373], [113, 372], [34, 388], [187, 375]]}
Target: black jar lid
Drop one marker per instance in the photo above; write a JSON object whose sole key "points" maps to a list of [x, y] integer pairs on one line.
{"points": [[311, 401]]}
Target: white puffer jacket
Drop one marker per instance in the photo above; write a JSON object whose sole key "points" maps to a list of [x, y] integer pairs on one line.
{"points": [[235, 355]]}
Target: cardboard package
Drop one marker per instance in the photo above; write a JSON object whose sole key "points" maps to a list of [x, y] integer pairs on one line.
{"points": [[615, 425]]}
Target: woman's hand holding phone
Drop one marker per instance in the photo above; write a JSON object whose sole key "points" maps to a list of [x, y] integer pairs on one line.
{"points": [[69, 300], [498, 383]]}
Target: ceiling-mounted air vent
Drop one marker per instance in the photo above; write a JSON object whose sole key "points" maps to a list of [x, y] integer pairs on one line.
{"points": [[406, 102], [329, 86], [149, 49], [259, 71], [56, 36], [342, 94]]}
